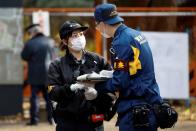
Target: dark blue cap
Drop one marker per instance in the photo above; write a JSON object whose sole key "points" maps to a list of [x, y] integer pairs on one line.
{"points": [[107, 13]]}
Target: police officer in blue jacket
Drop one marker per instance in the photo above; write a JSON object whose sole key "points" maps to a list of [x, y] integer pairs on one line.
{"points": [[133, 75]]}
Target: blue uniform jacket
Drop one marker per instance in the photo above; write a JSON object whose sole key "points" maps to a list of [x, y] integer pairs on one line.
{"points": [[133, 75]]}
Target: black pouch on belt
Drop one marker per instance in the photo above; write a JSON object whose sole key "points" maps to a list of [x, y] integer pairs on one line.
{"points": [[140, 116], [166, 115]]}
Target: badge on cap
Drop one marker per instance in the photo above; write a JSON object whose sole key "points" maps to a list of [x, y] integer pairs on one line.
{"points": [[114, 13]]}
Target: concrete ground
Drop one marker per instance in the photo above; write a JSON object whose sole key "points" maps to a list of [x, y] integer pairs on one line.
{"points": [[109, 126], [13, 124]]}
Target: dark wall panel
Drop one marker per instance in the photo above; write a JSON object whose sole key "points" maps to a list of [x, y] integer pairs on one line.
{"points": [[10, 3], [10, 99]]}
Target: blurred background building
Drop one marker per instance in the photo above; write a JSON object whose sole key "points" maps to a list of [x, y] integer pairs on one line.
{"points": [[177, 16]]}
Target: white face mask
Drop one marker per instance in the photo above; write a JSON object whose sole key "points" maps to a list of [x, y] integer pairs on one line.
{"points": [[104, 33], [78, 43]]}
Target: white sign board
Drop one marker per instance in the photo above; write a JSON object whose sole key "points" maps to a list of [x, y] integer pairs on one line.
{"points": [[170, 54], [43, 19]]}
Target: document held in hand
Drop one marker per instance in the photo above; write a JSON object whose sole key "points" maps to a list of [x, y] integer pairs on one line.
{"points": [[93, 77]]}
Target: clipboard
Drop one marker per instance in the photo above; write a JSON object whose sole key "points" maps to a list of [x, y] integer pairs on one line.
{"points": [[90, 78]]}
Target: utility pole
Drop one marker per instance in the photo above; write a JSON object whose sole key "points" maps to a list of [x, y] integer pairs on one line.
{"points": [[104, 40]]}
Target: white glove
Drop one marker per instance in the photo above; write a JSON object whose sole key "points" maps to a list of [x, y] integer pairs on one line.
{"points": [[77, 86], [90, 93], [106, 73], [88, 85]]}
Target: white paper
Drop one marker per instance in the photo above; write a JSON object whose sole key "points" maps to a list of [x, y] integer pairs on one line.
{"points": [[43, 19]]}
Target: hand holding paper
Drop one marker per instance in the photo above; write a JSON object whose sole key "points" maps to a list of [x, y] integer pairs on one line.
{"points": [[77, 86]]}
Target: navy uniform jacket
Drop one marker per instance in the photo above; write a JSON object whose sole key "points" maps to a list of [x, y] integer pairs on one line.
{"points": [[133, 75], [38, 52]]}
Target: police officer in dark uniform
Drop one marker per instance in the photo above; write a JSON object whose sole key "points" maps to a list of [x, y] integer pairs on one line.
{"points": [[133, 75], [77, 109], [38, 52]]}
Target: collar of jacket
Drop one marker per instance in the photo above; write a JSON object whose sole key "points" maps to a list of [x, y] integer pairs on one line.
{"points": [[38, 35], [119, 29], [73, 61]]}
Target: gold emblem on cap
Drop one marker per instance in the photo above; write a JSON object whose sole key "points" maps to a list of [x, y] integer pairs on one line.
{"points": [[113, 13]]}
